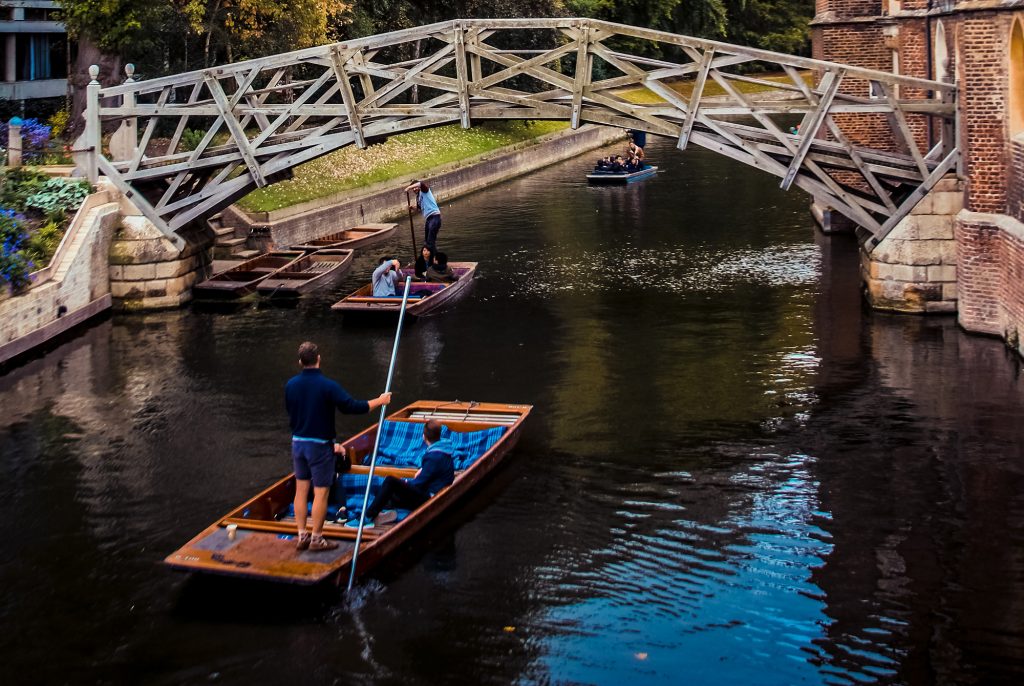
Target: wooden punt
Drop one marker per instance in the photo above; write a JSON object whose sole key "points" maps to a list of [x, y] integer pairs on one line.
{"points": [[242, 279], [433, 295], [313, 270], [621, 178], [264, 542], [356, 237]]}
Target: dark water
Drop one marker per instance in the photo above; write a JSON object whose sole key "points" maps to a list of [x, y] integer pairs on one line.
{"points": [[734, 473]]}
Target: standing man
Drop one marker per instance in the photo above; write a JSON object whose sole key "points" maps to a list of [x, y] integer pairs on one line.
{"points": [[311, 399], [431, 212]]}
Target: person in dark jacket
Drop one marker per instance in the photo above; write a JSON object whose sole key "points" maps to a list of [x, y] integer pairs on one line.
{"points": [[311, 400], [437, 472], [423, 262], [439, 271]]}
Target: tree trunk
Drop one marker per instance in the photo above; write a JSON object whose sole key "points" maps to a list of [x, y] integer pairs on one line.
{"points": [[111, 73]]}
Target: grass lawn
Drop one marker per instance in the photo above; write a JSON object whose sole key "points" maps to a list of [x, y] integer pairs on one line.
{"points": [[642, 96], [401, 155]]}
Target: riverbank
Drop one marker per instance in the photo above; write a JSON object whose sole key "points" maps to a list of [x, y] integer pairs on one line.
{"points": [[384, 201]]}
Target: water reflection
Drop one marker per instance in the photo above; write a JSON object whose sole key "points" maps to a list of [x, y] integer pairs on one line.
{"points": [[734, 473]]}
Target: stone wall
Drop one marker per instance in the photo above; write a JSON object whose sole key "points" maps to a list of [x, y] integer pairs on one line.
{"points": [[914, 269], [382, 202], [76, 285]]}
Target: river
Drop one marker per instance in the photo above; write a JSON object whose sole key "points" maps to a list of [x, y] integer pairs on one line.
{"points": [[734, 472]]}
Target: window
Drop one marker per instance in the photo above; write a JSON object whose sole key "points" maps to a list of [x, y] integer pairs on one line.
{"points": [[1016, 79]]}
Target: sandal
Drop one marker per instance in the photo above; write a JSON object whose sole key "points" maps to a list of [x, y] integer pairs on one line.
{"points": [[319, 543]]}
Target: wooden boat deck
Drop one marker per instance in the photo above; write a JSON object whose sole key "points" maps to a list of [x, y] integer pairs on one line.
{"points": [[362, 301], [243, 278], [350, 239], [314, 270], [263, 546]]}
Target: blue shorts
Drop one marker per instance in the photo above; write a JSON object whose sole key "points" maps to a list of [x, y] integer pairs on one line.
{"points": [[314, 461]]}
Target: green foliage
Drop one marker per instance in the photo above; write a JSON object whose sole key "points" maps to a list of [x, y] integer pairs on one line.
{"points": [[43, 242], [18, 185], [57, 196], [190, 139]]}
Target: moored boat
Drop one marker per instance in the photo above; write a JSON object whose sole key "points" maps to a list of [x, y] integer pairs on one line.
{"points": [[257, 539], [243, 278], [620, 178], [356, 237], [313, 270], [424, 296]]}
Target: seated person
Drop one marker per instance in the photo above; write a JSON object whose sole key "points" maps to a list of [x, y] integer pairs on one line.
{"points": [[636, 151], [437, 472], [423, 262], [439, 271], [386, 277], [619, 164]]}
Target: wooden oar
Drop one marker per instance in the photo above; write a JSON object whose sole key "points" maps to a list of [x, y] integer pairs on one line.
{"points": [[412, 229], [376, 440]]}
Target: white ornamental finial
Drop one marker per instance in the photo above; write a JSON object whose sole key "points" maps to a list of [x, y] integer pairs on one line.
{"points": [[94, 72], [129, 69]]}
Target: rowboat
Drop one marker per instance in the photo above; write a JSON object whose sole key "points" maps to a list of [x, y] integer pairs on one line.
{"points": [[307, 273], [257, 538], [356, 237], [621, 178], [424, 297], [242, 279]]}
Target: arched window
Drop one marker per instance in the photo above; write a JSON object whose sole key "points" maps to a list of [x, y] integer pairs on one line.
{"points": [[1017, 79]]}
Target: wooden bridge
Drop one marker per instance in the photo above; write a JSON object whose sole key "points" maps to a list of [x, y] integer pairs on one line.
{"points": [[259, 119]]}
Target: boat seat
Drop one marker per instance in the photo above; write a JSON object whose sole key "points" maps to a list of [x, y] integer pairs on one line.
{"points": [[401, 444]]}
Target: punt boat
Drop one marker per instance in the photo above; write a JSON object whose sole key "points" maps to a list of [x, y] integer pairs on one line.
{"points": [[257, 538], [243, 278], [424, 296], [621, 178], [356, 237], [313, 270]]}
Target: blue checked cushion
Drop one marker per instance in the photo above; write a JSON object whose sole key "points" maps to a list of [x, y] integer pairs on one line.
{"points": [[349, 490], [401, 445], [467, 446]]}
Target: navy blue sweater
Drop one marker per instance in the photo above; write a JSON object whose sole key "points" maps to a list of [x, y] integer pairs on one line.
{"points": [[438, 470], [311, 398]]}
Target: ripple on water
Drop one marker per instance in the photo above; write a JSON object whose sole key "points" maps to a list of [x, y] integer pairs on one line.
{"points": [[675, 270]]}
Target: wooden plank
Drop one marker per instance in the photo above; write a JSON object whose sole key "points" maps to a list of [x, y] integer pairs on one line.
{"points": [[349, 99], [236, 131], [461, 75], [904, 130], [140, 202], [810, 125], [584, 68], [140, 149], [698, 89], [907, 205]]}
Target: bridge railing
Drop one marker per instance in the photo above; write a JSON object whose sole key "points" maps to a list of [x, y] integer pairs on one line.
{"points": [[868, 143]]}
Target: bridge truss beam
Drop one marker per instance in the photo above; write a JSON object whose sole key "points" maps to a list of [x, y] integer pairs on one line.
{"points": [[262, 117]]}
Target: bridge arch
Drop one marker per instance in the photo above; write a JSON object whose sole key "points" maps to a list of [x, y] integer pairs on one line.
{"points": [[260, 118]]}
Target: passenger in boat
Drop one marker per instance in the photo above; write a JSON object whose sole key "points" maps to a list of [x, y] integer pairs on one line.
{"points": [[311, 400], [636, 152], [440, 271], [385, 277], [437, 472], [427, 204], [423, 263], [619, 165]]}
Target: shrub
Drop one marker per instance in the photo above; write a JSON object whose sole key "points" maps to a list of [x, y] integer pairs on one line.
{"points": [[59, 121], [18, 185], [57, 196], [190, 139]]}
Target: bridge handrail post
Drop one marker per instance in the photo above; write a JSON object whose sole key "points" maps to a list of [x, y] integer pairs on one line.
{"points": [[92, 124]]}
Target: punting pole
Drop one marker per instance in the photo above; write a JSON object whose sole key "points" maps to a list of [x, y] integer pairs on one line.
{"points": [[376, 440], [412, 230]]}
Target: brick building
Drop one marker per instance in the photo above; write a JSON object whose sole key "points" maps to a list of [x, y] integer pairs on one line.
{"points": [[979, 44]]}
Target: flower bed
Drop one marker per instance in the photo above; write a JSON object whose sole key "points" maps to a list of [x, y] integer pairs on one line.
{"points": [[34, 211]]}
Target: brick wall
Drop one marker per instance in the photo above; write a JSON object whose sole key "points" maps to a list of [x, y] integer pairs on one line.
{"points": [[981, 72]]}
